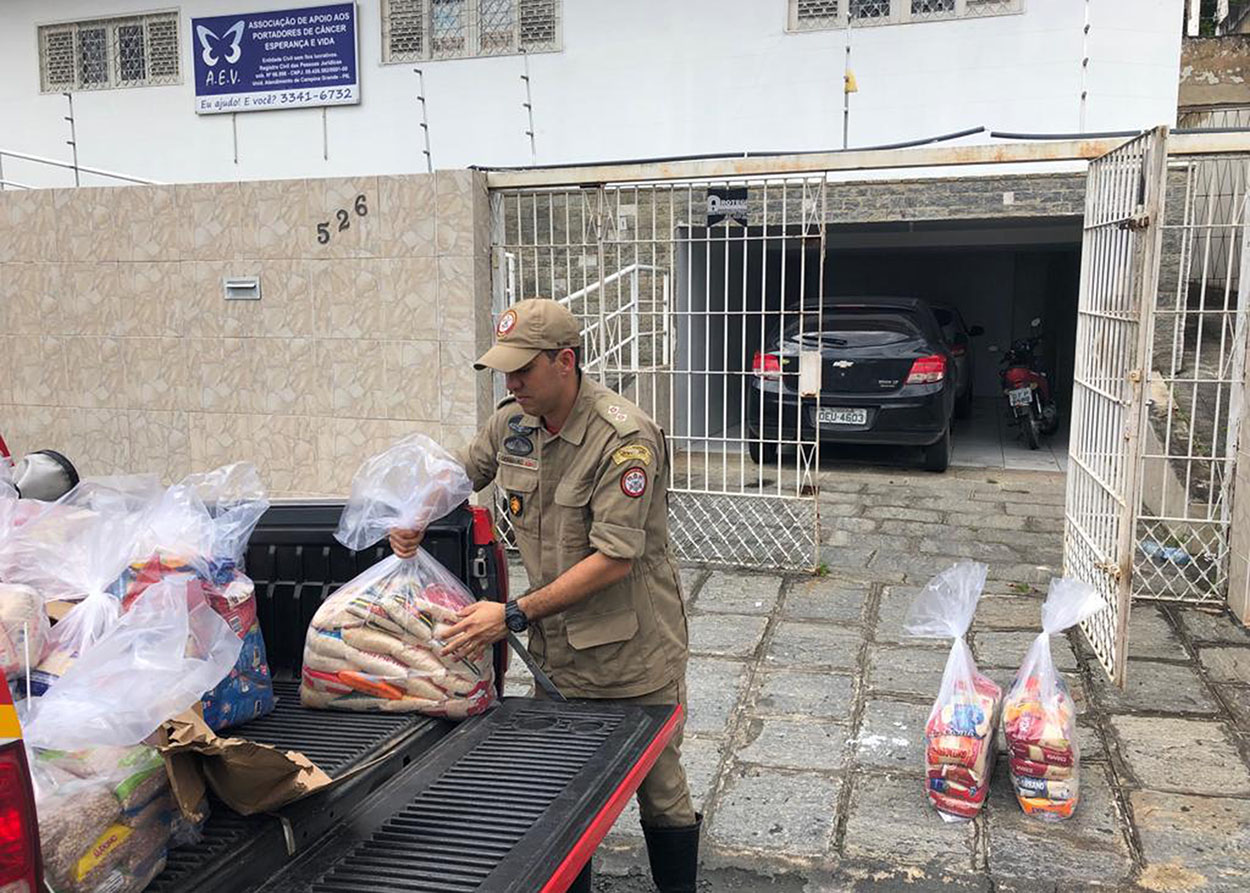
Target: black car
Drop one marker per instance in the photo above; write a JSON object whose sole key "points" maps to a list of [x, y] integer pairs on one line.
{"points": [[959, 339], [887, 377]]}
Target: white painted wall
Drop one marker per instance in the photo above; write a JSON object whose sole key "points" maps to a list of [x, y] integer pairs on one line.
{"points": [[640, 79]]}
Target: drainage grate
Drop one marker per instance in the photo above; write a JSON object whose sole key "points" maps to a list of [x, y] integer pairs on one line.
{"points": [[335, 741], [455, 833]]}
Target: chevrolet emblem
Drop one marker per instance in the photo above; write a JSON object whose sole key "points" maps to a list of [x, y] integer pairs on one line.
{"points": [[843, 364]]}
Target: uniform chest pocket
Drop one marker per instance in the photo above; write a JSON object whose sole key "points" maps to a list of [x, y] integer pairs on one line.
{"points": [[520, 486], [572, 499]]}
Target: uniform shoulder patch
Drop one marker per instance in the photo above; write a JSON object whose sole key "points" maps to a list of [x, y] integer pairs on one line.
{"points": [[634, 482], [633, 452], [620, 415]]}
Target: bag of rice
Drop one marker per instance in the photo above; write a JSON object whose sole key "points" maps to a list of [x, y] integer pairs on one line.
{"points": [[375, 644]]}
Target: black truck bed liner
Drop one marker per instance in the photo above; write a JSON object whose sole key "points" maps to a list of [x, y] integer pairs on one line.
{"points": [[338, 743], [515, 801]]}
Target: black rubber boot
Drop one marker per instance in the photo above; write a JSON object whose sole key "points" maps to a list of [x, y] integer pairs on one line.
{"points": [[674, 856], [585, 881]]}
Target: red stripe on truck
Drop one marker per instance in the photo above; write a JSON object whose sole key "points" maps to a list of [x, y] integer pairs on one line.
{"points": [[599, 826]]}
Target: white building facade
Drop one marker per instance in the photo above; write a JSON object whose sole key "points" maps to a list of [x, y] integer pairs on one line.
{"points": [[650, 78]]}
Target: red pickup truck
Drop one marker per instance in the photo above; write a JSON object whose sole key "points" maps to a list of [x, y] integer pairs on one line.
{"points": [[516, 799]]}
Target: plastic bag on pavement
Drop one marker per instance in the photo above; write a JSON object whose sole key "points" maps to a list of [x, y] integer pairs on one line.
{"points": [[154, 663], [201, 526], [959, 733], [374, 644], [1039, 715]]}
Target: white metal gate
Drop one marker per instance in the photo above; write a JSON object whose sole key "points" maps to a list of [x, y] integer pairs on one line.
{"points": [[686, 291], [1198, 362], [1119, 277]]}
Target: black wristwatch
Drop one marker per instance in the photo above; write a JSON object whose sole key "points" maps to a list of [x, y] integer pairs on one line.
{"points": [[515, 618]]}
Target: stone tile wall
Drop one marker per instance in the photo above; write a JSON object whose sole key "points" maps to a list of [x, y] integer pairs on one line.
{"points": [[118, 348]]}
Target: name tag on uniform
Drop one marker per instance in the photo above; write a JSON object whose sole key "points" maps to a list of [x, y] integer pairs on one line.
{"points": [[517, 461]]}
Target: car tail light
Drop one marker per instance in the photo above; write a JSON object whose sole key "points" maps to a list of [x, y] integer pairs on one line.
{"points": [[483, 526], [766, 365], [928, 370], [20, 862]]}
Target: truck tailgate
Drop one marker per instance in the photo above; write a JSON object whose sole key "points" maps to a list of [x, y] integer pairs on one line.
{"points": [[373, 745], [516, 800]]}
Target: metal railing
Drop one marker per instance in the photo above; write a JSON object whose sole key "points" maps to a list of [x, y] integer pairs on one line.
{"points": [[52, 162], [606, 331]]}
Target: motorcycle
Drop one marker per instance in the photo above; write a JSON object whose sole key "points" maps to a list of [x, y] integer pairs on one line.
{"points": [[1026, 386]]}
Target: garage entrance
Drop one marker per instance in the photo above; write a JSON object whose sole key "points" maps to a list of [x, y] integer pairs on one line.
{"points": [[987, 275], [702, 286]]}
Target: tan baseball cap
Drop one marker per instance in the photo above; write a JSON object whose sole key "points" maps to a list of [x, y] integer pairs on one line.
{"points": [[525, 330]]}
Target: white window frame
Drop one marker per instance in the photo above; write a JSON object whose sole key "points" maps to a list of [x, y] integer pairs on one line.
{"points": [[111, 24], [472, 48], [900, 14]]}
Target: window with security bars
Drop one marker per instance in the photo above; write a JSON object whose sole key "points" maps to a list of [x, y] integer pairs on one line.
{"points": [[102, 54], [414, 30], [821, 15]]}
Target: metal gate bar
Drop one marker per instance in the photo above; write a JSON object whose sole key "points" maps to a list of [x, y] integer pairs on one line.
{"points": [[1198, 359], [1119, 275]]}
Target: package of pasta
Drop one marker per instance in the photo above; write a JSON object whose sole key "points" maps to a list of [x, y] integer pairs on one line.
{"points": [[959, 733], [1039, 715], [376, 643]]}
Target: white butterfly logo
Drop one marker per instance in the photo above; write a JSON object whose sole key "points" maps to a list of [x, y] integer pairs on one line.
{"points": [[213, 45]]}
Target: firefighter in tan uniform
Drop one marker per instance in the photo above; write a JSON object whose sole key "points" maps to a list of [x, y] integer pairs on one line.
{"points": [[585, 474]]}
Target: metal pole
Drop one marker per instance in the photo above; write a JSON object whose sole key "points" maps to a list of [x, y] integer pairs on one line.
{"points": [[425, 122], [529, 108], [234, 133], [846, 94], [1084, 67], [325, 134], [73, 136], [1193, 21], [2, 180]]}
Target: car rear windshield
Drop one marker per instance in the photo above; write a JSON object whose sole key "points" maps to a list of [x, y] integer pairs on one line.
{"points": [[859, 327]]}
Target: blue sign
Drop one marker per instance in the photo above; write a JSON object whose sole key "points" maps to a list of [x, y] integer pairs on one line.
{"points": [[292, 58]]}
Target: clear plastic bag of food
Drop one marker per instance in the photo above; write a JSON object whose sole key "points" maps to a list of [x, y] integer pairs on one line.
{"points": [[74, 549], [375, 644], [154, 663], [202, 526], [24, 633], [1039, 715], [959, 733]]}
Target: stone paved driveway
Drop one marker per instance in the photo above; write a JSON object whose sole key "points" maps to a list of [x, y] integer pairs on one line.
{"points": [[807, 709]]}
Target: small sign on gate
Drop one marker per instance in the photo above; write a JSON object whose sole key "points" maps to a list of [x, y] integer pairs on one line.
{"points": [[727, 204]]}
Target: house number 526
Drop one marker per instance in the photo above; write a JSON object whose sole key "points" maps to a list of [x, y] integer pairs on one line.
{"points": [[343, 218]]}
